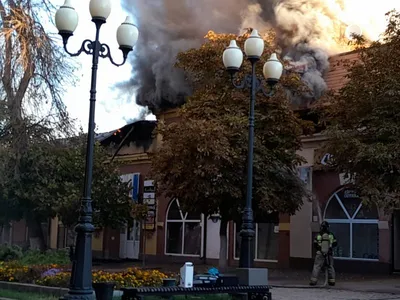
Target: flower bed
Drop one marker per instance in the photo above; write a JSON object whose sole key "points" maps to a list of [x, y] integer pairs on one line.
{"points": [[15, 272], [59, 276]]}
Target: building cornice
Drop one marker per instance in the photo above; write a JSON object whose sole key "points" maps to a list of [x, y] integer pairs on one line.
{"points": [[134, 159], [318, 137], [169, 114]]}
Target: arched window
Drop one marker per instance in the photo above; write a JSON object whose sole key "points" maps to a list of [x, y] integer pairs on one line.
{"points": [[184, 234], [354, 225]]}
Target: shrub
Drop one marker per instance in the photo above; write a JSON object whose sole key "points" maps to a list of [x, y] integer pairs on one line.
{"points": [[35, 257], [9, 253]]}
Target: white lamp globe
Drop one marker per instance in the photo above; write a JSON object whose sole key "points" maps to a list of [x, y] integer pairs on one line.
{"points": [[100, 9], [66, 18], [254, 45], [273, 69], [127, 34], [233, 57]]}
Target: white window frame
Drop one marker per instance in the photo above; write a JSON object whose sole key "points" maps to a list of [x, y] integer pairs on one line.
{"points": [[255, 246], [350, 220], [183, 221]]}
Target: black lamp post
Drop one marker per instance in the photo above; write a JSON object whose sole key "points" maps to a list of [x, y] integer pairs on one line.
{"points": [[233, 59], [127, 34]]}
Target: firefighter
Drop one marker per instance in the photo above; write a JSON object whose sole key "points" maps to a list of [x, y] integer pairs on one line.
{"points": [[324, 242]]}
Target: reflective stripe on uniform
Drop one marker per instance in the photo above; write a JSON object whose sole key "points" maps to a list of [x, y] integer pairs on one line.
{"points": [[331, 280], [332, 239]]}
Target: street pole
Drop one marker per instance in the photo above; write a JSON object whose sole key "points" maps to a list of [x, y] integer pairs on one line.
{"points": [[233, 59], [247, 232], [127, 35], [81, 276]]}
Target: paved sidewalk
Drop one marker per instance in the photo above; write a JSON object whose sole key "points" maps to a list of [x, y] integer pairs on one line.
{"points": [[367, 285], [290, 280]]}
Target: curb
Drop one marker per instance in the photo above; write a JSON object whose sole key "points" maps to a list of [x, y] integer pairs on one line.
{"points": [[39, 289], [337, 288], [33, 288]]}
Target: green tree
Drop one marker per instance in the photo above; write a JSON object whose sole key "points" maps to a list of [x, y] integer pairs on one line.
{"points": [[364, 135], [52, 184], [203, 157], [34, 73]]}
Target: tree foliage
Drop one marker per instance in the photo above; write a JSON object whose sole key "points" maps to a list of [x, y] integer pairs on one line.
{"points": [[365, 131], [52, 184], [34, 73], [203, 157]]}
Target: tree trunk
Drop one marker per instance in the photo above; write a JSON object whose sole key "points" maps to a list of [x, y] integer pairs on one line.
{"points": [[106, 243], [223, 247], [2, 235], [35, 234], [144, 239]]}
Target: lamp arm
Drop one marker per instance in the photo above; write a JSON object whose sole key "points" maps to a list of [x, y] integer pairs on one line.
{"points": [[267, 92], [105, 52], [245, 83], [86, 47]]}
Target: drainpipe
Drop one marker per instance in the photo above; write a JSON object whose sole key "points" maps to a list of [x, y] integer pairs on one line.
{"points": [[205, 241]]}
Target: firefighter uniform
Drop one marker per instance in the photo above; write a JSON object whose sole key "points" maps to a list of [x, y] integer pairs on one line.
{"points": [[323, 243]]}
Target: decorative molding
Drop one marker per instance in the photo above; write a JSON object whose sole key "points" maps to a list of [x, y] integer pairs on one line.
{"points": [[169, 114], [134, 159], [318, 137]]}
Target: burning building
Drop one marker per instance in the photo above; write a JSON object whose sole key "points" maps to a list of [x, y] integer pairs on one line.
{"points": [[312, 34]]}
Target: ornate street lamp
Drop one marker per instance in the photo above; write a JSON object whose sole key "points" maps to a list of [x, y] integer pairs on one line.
{"points": [[127, 34], [233, 59]]}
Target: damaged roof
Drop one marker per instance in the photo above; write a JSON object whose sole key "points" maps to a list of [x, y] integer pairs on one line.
{"points": [[140, 132], [336, 76]]}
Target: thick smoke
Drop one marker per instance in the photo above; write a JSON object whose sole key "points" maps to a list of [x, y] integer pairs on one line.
{"points": [[166, 28], [309, 32]]}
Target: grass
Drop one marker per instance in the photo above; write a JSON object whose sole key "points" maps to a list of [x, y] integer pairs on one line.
{"points": [[24, 296]]}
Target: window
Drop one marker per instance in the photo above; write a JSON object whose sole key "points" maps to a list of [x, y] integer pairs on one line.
{"points": [[266, 241], [184, 234], [354, 225]]}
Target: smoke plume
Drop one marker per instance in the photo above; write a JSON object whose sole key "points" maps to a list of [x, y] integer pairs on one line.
{"points": [[309, 32]]}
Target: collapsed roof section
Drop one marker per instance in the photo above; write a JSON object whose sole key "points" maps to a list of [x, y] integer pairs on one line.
{"points": [[140, 133]]}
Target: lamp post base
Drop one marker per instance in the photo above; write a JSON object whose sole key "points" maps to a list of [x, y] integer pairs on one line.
{"points": [[252, 276]]}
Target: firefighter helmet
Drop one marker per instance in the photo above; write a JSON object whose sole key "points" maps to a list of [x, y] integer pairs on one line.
{"points": [[324, 226]]}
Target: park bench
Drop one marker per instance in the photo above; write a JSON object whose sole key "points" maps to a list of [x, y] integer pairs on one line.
{"points": [[257, 292]]}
